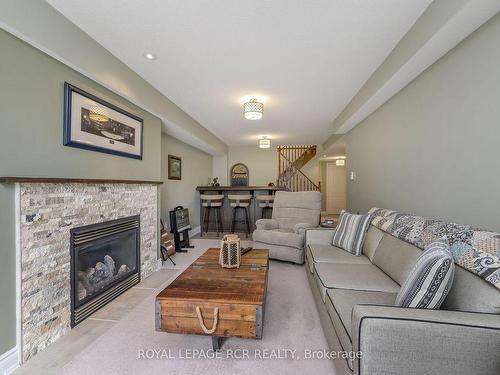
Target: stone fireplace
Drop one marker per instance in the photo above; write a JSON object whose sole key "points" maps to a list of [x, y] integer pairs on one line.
{"points": [[105, 262], [55, 221]]}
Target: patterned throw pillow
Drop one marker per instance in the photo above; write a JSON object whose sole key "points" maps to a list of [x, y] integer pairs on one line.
{"points": [[430, 280], [351, 232]]}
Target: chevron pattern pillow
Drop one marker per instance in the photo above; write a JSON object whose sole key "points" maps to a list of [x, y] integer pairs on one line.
{"points": [[431, 278], [351, 232]]}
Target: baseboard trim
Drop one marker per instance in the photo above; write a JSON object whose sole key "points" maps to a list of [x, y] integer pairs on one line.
{"points": [[9, 361], [195, 231]]}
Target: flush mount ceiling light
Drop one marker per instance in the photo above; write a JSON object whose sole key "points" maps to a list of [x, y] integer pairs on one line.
{"points": [[339, 160], [264, 142], [149, 56], [253, 109]]}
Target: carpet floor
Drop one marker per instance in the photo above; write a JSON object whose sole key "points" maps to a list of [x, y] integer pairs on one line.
{"points": [[291, 328]]}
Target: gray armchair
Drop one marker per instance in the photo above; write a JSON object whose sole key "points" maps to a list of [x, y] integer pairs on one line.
{"points": [[284, 234]]}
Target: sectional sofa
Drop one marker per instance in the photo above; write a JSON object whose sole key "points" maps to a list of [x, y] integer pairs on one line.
{"points": [[355, 297]]}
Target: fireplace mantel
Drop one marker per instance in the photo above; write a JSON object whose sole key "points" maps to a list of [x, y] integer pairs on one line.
{"points": [[52, 180]]}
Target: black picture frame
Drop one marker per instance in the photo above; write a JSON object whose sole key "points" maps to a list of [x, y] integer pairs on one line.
{"points": [[69, 89]]}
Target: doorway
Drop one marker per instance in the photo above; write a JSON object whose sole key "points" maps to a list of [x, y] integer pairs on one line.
{"points": [[336, 179]]}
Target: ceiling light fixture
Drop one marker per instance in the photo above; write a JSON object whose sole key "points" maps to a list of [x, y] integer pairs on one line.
{"points": [[264, 142], [149, 56], [253, 109]]}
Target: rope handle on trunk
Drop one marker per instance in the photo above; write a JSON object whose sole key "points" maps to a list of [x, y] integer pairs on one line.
{"points": [[202, 324]]}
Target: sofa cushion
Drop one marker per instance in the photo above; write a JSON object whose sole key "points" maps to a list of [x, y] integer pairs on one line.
{"points": [[344, 301], [396, 257], [340, 330], [332, 254], [430, 280], [372, 240], [471, 293], [366, 277], [351, 231], [339, 304], [279, 237]]}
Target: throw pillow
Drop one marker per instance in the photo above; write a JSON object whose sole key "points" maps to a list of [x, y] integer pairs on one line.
{"points": [[351, 232], [429, 282]]}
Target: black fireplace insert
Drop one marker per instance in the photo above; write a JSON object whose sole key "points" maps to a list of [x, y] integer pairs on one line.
{"points": [[105, 262]]}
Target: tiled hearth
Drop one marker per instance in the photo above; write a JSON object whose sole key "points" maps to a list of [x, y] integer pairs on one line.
{"points": [[45, 213]]}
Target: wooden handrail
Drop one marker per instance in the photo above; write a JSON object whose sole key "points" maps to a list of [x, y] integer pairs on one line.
{"points": [[289, 175]]}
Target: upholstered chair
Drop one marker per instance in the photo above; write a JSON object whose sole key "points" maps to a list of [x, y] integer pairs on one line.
{"points": [[284, 234]]}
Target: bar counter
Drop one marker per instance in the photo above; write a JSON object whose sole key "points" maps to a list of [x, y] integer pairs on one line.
{"points": [[227, 211]]}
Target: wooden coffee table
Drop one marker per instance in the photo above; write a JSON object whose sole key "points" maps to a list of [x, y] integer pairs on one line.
{"points": [[219, 302]]}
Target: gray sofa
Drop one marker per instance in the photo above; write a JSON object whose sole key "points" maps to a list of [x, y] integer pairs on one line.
{"points": [[355, 297], [284, 233]]}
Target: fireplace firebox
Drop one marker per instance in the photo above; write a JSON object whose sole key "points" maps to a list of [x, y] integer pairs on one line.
{"points": [[105, 262]]}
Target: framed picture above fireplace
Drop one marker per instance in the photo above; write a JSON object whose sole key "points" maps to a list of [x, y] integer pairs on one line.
{"points": [[93, 124]]}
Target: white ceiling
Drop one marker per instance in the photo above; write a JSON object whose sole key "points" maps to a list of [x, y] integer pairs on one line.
{"points": [[308, 58]]}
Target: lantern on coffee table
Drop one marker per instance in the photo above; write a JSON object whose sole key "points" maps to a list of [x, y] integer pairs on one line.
{"points": [[230, 251]]}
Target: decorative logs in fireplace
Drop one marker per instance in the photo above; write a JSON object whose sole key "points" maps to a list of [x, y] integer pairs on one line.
{"points": [[99, 277], [105, 262]]}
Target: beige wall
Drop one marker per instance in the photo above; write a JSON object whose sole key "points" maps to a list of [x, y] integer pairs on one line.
{"points": [[219, 169], [262, 163], [434, 148], [31, 107], [196, 170]]}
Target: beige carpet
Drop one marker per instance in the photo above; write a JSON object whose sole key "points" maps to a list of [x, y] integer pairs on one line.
{"points": [[291, 322]]}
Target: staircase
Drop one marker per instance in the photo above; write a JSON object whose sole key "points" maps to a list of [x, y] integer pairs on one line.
{"points": [[291, 159]]}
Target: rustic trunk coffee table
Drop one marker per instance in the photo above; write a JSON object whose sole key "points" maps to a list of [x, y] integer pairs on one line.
{"points": [[220, 302]]}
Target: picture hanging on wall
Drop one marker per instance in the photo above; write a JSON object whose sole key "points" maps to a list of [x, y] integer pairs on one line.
{"points": [[93, 124], [174, 167]]}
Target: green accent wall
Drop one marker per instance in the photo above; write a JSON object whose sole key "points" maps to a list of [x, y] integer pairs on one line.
{"points": [[7, 270], [196, 170], [31, 108], [433, 149]]}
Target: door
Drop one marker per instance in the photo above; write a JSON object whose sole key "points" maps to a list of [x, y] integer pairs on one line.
{"points": [[335, 188]]}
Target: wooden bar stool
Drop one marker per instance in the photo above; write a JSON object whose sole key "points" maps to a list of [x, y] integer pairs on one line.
{"points": [[240, 202], [266, 204], [212, 202]]}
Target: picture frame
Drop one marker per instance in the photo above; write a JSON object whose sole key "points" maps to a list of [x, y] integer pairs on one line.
{"points": [[174, 167], [91, 123]]}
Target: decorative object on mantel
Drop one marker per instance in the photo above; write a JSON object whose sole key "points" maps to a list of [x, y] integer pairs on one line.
{"points": [[253, 110], [174, 167], [230, 251], [239, 175], [93, 124], [215, 182]]}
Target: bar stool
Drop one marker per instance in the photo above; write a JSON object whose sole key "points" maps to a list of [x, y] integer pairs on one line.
{"points": [[212, 202], [266, 204], [240, 202]]}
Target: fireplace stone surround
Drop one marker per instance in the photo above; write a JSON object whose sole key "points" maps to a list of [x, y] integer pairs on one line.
{"points": [[45, 214]]}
